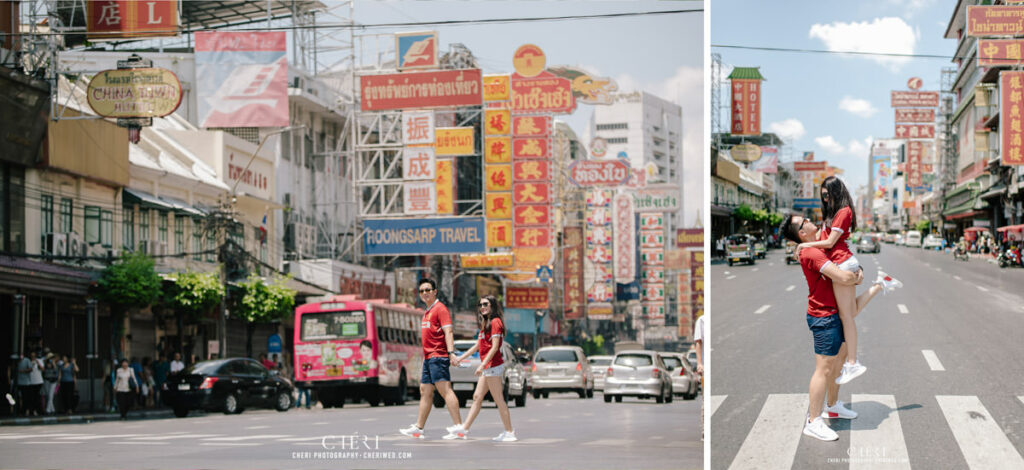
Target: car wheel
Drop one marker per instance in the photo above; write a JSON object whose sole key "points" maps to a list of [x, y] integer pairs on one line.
{"points": [[590, 393], [669, 397], [284, 401], [462, 402], [661, 397], [545, 394], [181, 412], [521, 399], [536, 395], [730, 263], [373, 398], [231, 405], [607, 398], [618, 399]]}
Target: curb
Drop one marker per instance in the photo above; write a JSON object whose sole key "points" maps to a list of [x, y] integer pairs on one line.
{"points": [[87, 418]]}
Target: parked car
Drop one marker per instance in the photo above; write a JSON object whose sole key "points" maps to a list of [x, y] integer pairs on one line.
{"points": [[889, 238], [685, 381], [691, 356], [900, 240], [869, 244], [464, 378], [599, 365], [561, 369], [913, 238], [640, 374], [230, 385], [739, 248], [931, 242], [791, 253]]}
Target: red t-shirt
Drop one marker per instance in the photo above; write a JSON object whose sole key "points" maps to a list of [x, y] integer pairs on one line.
{"points": [[821, 301], [431, 330], [841, 222], [484, 342]]}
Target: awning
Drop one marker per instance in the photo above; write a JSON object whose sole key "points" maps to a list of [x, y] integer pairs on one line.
{"points": [[182, 206], [976, 229], [997, 190], [143, 198], [1011, 228]]}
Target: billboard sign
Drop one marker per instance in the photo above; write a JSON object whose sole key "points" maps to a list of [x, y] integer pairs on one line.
{"points": [[915, 131], [531, 170], [416, 50], [531, 193], [572, 257], [810, 166], [418, 128], [421, 236], [599, 172], [532, 214], [1011, 87], [499, 233], [806, 203], [488, 260], [915, 99], [420, 198], [498, 205], [131, 19], [418, 163], [543, 94], [690, 238], [532, 237], [531, 147], [990, 20], [242, 78], [134, 93], [453, 141], [498, 149], [526, 297], [914, 114], [497, 87], [412, 90], [445, 188], [769, 161], [531, 126], [497, 121], [746, 107], [994, 52], [624, 244], [661, 198]]}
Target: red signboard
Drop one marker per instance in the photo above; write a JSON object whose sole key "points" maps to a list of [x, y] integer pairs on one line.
{"points": [[810, 166], [915, 150], [914, 115], [915, 131], [531, 170], [1000, 52], [528, 126], [421, 90], [531, 147], [746, 107], [995, 20], [545, 93], [572, 258], [690, 238], [1011, 89], [526, 297], [127, 19], [532, 214], [599, 172], [912, 99], [531, 193], [624, 245], [532, 237]]}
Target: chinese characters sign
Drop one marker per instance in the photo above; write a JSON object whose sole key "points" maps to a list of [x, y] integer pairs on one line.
{"points": [[1000, 52], [497, 149], [914, 115], [915, 150], [625, 239], [573, 271], [915, 131], [526, 297], [418, 127], [127, 19], [1011, 87], [746, 107], [420, 198], [418, 163], [445, 187]]}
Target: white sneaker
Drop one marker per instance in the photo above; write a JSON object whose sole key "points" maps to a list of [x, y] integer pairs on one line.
{"points": [[887, 282], [413, 431], [838, 411], [10, 399], [455, 431], [506, 436], [819, 430], [850, 372]]}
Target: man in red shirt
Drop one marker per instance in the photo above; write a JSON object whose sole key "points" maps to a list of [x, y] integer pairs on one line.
{"points": [[438, 353], [825, 325]]}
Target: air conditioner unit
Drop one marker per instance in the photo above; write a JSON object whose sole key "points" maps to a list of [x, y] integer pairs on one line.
{"points": [[76, 246], [97, 250], [156, 248], [57, 244]]}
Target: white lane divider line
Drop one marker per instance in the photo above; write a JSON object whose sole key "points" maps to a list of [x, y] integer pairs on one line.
{"points": [[257, 427], [933, 360], [903, 308], [716, 401], [790, 288], [983, 443], [245, 438], [731, 277], [726, 273], [878, 427], [763, 308], [938, 270], [982, 288], [957, 278], [755, 269]]}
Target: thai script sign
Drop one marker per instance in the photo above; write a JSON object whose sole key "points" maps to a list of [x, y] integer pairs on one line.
{"points": [[421, 90], [914, 114], [544, 94], [488, 260], [423, 236], [599, 172], [995, 20], [915, 99], [454, 141], [134, 93], [497, 88], [662, 198], [690, 238]]}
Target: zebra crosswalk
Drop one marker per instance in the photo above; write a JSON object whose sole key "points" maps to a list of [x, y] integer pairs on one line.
{"points": [[774, 440]]}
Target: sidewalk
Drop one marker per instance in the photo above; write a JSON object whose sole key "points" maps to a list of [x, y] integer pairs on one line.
{"points": [[86, 417]]}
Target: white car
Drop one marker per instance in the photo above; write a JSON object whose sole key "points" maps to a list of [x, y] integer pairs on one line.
{"points": [[913, 238], [900, 240], [931, 242]]}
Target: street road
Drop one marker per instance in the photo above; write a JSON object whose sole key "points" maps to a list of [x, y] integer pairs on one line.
{"points": [[944, 386], [561, 432]]}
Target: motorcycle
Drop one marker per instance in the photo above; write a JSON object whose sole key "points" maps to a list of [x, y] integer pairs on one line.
{"points": [[959, 254], [1009, 257]]}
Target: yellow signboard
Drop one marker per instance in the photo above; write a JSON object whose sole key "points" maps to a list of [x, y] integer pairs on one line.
{"points": [[498, 149], [499, 233], [526, 262], [445, 197], [453, 141], [497, 88], [134, 93], [499, 205], [497, 121], [499, 177], [489, 260]]}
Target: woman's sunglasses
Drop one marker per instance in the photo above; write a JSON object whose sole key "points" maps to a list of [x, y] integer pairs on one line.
{"points": [[485, 304]]}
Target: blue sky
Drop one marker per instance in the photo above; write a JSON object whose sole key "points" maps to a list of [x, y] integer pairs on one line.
{"points": [[660, 54], [833, 104]]}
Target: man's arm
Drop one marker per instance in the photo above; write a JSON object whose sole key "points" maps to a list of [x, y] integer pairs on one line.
{"points": [[700, 357], [840, 276], [449, 341]]}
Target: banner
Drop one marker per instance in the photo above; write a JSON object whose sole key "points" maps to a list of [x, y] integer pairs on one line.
{"points": [[661, 198], [134, 93], [914, 114], [544, 94], [690, 238], [915, 99], [131, 19], [453, 141], [624, 245], [445, 187], [914, 153], [423, 236], [420, 89], [572, 265], [489, 260], [1011, 89], [599, 172], [242, 79], [995, 20], [526, 297], [769, 161], [746, 107], [416, 50], [995, 52], [810, 166]]}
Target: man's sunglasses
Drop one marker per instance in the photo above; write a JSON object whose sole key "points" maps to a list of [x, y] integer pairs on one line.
{"points": [[423, 291]]}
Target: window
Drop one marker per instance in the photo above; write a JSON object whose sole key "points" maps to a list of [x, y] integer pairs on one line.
{"points": [[92, 224], [65, 214], [45, 219], [128, 228], [609, 127], [197, 238], [107, 228], [143, 225], [211, 246], [618, 140], [161, 226], [179, 234]]}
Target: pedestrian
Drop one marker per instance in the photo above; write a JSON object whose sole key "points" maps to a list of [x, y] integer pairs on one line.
{"points": [[161, 368], [830, 348], [176, 364], [700, 332], [438, 350], [68, 383], [492, 367], [51, 378], [720, 247], [126, 386], [147, 383], [266, 362], [30, 380]]}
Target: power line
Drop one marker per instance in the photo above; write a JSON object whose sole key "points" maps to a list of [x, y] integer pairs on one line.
{"points": [[825, 51]]}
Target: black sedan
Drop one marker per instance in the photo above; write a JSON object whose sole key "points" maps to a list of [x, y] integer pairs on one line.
{"points": [[228, 385]]}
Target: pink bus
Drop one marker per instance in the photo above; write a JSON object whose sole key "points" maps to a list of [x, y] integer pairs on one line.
{"points": [[348, 348]]}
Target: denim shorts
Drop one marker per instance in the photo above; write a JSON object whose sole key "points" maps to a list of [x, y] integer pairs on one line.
{"points": [[435, 370], [850, 265], [828, 334]]}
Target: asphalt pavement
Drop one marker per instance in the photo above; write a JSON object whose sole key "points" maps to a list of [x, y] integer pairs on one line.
{"points": [[944, 386], [560, 432]]}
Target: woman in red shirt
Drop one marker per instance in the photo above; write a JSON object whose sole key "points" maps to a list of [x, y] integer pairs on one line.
{"points": [[492, 367]]}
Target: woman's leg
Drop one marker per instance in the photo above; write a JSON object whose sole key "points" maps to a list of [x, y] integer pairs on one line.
{"points": [[494, 384], [846, 299], [478, 401]]}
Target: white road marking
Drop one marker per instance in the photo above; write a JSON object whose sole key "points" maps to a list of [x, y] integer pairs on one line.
{"points": [[982, 288], [957, 278], [301, 439], [716, 401], [933, 360], [245, 438], [102, 436], [982, 442], [773, 440], [726, 273], [321, 423], [227, 444], [368, 419], [609, 442], [257, 427], [142, 443], [29, 436], [938, 269], [537, 440], [790, 288], [755, 269], [763, 308], [903, 308], [877, 429], [164, 438], [1021, 398], [732, 277], [771, 264], [50, 442]]}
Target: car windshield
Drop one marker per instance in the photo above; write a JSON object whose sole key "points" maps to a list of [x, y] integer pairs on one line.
{"points": [[203, 368], [633, 360], [672, 361], [600, 362], [556, 355]]}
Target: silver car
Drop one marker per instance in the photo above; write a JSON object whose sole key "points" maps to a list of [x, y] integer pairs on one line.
{"points": [[464, 379], [561, 369], [684, 380], [599, 365], [640, 374]]}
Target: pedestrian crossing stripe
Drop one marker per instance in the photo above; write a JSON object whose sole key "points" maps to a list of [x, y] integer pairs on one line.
{"points": [[876, 439]]}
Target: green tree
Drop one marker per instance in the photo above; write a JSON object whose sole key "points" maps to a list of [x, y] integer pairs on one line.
{"points": [[922, 226], [775, 219], [130, 282], [264, 303], [191, 296], [743, 212]]}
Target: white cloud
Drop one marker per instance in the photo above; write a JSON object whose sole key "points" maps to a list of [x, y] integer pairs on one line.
{"points": [[789, 130], [882, 35], [829, 144], [857, 106], [859, 148]]}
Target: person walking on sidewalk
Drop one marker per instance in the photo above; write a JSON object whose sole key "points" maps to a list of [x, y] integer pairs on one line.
{"points": [[30, 379], [438, 351], [125, 385], [51, 378], [68, 381]]}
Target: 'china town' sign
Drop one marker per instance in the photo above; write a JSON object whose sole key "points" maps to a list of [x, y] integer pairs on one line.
{"points": [[660, 198], [134, 93]]}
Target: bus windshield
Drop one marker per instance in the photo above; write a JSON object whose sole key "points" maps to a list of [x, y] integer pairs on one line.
{"points": [[333, 325]]}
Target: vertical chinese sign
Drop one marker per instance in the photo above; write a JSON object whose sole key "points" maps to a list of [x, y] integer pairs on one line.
{"points": [[697, 283], [572, 258], [598, 276], [745, 109], [652, 262], [1011, 86], [242, 79], [497, 127], [419, 165]]}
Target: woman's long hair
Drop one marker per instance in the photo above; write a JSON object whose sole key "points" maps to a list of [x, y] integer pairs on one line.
{"points": [[838, 198], [495, 312]]}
